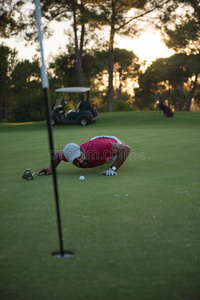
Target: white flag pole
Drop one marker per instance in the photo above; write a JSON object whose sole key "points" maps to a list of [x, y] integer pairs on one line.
{"points": [[45, 82], [45, 85]]}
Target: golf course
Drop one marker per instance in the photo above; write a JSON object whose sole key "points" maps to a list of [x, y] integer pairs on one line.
{"points": [[135, 236]]}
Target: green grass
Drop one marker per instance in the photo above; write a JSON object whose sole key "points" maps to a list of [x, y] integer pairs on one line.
{"points": [[135, 235]]}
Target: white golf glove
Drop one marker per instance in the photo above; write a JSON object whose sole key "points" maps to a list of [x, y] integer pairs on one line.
{"points": [[108, 172]]}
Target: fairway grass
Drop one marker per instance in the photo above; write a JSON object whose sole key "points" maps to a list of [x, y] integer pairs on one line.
{"points": [[136, 236]]}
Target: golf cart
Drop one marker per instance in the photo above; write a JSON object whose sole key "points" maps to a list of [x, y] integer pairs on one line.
{"points": [[83, 114]]}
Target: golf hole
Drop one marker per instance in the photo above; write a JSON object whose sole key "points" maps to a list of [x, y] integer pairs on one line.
{"points": [[58, 254]]}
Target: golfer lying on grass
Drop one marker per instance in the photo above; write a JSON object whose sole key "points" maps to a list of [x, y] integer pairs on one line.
{"points": [[96, 152]]}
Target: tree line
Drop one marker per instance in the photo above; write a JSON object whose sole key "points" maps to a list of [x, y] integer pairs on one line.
{"points": [[91, 58]]}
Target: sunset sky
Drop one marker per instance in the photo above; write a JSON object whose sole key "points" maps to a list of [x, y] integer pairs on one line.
{"points": [[147, 47]]}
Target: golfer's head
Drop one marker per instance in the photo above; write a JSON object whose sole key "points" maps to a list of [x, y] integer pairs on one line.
{"points": [[76, 155]]}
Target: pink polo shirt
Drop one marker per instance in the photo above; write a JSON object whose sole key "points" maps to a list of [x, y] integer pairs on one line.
{"points": [[99, 151]]}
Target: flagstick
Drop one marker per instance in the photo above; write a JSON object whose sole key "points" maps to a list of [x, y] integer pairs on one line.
{"points": [[45, 86], [51, 148]]}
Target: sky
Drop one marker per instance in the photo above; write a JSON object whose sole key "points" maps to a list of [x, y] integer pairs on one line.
{"points": [[148, 46]]}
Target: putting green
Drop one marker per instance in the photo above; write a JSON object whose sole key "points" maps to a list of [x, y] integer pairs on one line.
{"points": [[135, 235]]}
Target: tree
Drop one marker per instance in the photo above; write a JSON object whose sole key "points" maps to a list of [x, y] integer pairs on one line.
{"points": [[94, 63], [79, 12], [179, 75], [113, 14], [26, 77], [126, 65], [182, 33], [78, 50], [57, 10], [166, 78], [193, 64], [9, 25], [26, 83], [63, 69], [94, 15], [7, 63]]}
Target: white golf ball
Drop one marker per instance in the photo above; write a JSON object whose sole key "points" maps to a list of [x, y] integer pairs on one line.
{"points": [[81, 178]]}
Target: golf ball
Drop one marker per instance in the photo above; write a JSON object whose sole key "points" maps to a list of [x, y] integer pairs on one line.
{"points": [[81, 178]]}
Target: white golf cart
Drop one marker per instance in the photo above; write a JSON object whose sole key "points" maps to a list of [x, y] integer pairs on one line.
{"points": [[83, 114]]}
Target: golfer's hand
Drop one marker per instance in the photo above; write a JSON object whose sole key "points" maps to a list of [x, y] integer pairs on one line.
{"points": [[46, 171], [108, 172]]}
